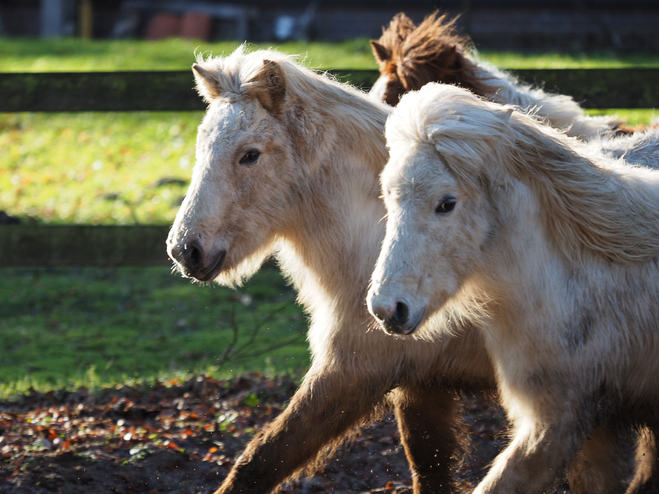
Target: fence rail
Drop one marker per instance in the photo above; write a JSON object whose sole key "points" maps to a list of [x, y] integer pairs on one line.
{"points": [[174, 91], [144, 245], [48, 246]]}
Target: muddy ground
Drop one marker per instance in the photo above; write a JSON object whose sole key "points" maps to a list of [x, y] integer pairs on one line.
{"points": [[183, 437]]}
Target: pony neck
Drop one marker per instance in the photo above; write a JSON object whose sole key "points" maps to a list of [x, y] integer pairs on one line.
{"points": [[332, 239]]}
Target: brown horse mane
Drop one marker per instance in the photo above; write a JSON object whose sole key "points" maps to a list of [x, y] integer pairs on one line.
{"points": [[433, 51], [397, 32]]}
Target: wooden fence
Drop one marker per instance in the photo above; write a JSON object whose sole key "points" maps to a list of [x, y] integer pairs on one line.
{"points": [[115, 246]]}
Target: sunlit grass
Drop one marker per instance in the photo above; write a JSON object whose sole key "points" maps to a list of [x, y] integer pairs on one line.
{"points": [[95, 327], [75, 55], [555, 60], [631, 117], [95, 168], [46, 55]]}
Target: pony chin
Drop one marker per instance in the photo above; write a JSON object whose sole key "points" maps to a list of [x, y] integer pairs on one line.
{"points": [[236, 275], [467, 306]]}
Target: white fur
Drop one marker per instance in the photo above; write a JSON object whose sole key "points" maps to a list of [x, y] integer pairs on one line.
{"points": [[552, 246]]}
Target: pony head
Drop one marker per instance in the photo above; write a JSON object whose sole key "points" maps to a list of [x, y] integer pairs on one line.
{"points": [[438, 221], [473, 187], [238, 194], [273, 138], [411, 56]]}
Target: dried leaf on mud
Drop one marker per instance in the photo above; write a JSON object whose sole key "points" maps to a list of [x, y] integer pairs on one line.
{"points": [[183, 437]]}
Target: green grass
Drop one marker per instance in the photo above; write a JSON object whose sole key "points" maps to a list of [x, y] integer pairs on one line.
{"points": [[555, 60], [111, 168], [75, 55], [97, 327], [37, 55]]}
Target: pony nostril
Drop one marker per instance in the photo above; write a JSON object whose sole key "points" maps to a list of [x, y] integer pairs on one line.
{"points": [[380, 313], [401, 313], [193, 255]]}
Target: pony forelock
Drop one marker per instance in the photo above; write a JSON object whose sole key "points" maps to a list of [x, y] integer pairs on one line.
{"points": [[439, 119]]}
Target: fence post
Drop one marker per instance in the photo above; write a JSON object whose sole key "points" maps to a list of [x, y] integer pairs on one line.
{"points": [[86, 16]]}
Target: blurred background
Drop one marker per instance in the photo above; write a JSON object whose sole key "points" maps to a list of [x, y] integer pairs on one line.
{"points": [[492, 24]]}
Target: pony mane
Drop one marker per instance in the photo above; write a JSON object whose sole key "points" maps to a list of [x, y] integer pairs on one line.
{"points": [[431, 51], [591, 202], [434, 52]]}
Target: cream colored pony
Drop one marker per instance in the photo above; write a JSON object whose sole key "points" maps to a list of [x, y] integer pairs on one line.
{"points": [[287, 165], [411, 56], [549, 246]]}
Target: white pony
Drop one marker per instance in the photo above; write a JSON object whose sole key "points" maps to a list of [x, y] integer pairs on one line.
{"points": [[288, 164], [411, 56], [548, 245]]}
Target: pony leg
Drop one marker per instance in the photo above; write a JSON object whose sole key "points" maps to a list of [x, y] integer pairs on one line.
{"points": [[535, 459], [322, 411], [599, 467], [427, 421]]}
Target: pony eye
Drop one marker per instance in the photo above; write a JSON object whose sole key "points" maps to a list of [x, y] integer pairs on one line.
{"points": [[250, 157], [446, 205]]}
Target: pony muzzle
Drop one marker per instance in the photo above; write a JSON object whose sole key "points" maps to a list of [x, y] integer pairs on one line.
{"points": [[195, 262], [393, 316]]}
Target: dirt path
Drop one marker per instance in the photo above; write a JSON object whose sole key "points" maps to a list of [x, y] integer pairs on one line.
{"points": [[182, 437]]}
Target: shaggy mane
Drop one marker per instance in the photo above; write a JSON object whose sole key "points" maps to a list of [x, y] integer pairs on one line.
{"points": [[412, 56], [592, 203], [431, 51]]}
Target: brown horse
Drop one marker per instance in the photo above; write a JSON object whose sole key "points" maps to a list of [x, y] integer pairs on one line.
{"points": [[411, 56]]}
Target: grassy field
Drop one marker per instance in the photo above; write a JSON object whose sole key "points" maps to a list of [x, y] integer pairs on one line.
{"points": [[117, 168], [20, 55], [96, 327]]}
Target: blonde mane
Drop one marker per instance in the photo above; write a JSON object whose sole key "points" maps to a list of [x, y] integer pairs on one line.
{"points": [[591, 202]]}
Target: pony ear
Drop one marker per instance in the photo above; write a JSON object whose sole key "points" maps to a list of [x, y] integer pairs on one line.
{"points": [[381, 53], [269, 86], [208, 85]]}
